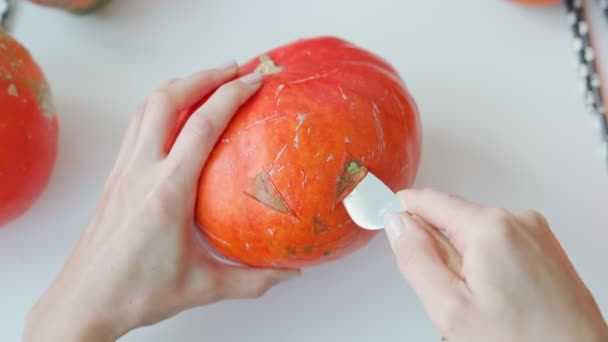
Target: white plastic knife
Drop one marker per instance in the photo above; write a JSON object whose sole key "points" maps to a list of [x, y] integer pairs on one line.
{"points": [[371, 200]]}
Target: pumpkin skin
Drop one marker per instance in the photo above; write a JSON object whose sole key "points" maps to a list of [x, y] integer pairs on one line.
{"points": [[28, 130], [270, 194], [73, 6]]}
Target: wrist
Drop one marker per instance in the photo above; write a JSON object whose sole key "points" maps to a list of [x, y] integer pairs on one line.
{"points": [[63, 316]]}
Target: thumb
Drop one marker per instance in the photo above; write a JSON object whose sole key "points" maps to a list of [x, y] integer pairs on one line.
{"points": [[421, 263], [240, 282]]}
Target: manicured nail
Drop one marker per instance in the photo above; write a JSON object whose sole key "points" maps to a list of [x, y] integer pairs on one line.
{"points": [[229, 65], [396, 225], [253, 78]]}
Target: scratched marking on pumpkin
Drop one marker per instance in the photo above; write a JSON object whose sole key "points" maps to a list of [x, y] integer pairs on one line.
{"points": [[330, 158], [43, 97], [277, 98], [225, 140], [399, 103], [216, 238], [382, 70], [313, 77], [346, 140], [12, 90], [271, 231], [280, 153], [274, 171], [5, 74], [296, 140], [344, 97], [379, 131], [261, 121]]}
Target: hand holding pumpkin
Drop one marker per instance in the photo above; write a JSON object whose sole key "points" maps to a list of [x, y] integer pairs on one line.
{"points": [[516, 282], [139, 262]]}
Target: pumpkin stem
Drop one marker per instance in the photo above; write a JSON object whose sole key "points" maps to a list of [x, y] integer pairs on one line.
{"points": [[267, 66]]}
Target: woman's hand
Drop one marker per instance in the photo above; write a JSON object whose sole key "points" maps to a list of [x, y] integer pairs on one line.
{"points": [[139, 261], [516, 282]]}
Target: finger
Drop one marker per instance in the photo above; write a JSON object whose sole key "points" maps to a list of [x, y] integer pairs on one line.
{"points": [[129, 139], [535, 223], [165, 103], [440, 290], [449, 255], [204, 127], [444, 211], [238, 282], [532, 220]]}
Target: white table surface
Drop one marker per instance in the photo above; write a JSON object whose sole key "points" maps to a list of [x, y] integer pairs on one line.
{"points": [[503, 124]]}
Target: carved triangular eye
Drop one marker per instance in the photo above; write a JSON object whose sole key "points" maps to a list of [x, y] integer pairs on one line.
{"points": [[352, 174], [262, 190]]}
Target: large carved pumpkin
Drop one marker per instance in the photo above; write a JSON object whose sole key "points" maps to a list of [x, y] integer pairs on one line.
{"points": [[28, 130], [74, 6], [271, 192]]}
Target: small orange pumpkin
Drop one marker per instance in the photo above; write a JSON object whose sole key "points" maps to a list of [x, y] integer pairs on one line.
{"points": [[28, 130]]}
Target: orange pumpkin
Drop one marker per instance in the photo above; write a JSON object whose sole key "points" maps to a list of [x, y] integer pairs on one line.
{"points": [[271, 192], [28, 130], [74, 6]]}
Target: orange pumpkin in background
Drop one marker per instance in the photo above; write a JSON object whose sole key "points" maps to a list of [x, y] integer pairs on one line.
{"points": [[28, 130], [271, 192], [74, 6]]}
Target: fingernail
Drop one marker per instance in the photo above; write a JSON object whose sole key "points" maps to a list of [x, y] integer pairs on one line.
{"points": [[396, 225], [253, 78], [229, 65]]}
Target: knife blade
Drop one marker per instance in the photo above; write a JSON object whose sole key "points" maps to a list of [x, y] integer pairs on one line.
{"points": [[371, 199]]}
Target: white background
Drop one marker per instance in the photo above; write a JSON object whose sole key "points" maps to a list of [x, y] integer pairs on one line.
{"points": [[503, 124]]}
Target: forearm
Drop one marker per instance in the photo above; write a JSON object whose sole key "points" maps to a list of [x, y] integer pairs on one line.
{"points": [[62, 315]]}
